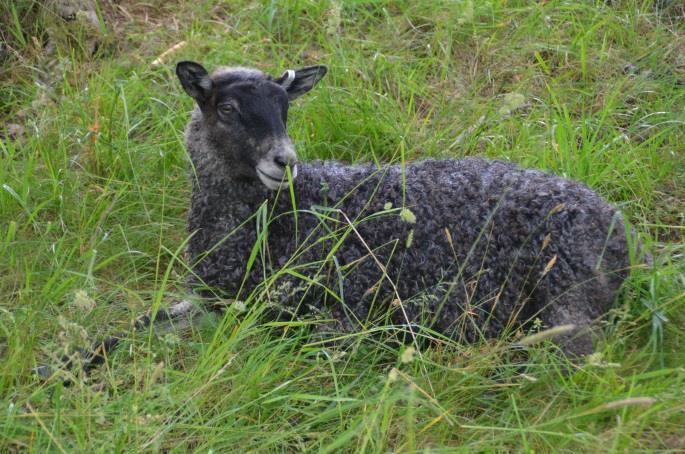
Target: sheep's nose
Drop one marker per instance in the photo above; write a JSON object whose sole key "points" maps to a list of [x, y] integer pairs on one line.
{"points": [[282, 161]]}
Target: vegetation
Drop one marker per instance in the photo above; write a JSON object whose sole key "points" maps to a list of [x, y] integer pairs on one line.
{"points": [[94, 186]]}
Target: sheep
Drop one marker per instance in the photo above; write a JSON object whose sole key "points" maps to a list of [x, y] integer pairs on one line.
{"points": [[491, 245], [467, 248]]}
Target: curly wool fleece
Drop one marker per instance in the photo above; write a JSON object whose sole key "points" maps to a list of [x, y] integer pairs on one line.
{"points": [[490, 243]]}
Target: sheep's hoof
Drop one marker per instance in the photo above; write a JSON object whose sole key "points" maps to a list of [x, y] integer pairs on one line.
{"points": [[43, 371]]}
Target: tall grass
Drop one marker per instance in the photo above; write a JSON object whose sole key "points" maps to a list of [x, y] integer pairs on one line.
{"points": [[94, 185]]}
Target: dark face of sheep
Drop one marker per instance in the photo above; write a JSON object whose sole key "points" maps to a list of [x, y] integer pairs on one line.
{"points": [[245, 112]]}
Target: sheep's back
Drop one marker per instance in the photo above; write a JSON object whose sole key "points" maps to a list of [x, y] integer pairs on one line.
{"points": [[489, 226], [471, 232]]}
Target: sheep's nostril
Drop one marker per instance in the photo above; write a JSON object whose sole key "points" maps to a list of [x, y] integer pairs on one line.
{"points": [[283, 161]]}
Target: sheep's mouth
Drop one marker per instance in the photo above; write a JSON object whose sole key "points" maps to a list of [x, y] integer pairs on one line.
{"points": [[273, 182], [278, 180]]}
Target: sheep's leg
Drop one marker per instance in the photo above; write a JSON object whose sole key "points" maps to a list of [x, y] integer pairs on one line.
{"points": [[96, 355], [577, 342], [566, 295]]}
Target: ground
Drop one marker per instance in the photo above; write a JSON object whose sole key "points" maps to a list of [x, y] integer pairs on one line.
{"points": [[95, 186]]}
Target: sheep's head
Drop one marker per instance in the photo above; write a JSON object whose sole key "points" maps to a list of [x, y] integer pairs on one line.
{"points": [[244, 113]]}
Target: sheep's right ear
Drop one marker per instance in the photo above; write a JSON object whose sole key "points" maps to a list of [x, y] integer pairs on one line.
{"points": [[300, 81], [195, 80]]}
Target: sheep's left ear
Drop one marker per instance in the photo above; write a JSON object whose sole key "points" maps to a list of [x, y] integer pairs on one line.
{"points": [[300, 81], [195, 80]]}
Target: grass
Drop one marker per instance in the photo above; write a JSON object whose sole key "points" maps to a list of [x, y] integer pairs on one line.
{"points": [[94, 188]]}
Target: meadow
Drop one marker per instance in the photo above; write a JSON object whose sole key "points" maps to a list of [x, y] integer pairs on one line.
{"points": [[95, 185]]}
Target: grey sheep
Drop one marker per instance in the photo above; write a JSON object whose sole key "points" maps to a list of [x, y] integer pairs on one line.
{"points": [[468, 247]]}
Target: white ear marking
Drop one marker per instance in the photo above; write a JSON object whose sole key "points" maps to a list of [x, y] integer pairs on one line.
{"points": [[289, 77], [205, 83]]}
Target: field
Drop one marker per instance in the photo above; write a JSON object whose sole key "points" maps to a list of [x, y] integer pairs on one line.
{"points": [[94, 189]]}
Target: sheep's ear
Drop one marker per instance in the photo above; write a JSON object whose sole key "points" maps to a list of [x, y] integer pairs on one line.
{"points": [[195, 80], [300, 81]]}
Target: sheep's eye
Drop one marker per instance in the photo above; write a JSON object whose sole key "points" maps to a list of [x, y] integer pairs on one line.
{"points": [[227, 108]]}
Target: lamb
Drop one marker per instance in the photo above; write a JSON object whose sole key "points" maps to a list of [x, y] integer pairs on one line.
{"points": [[487, 244], [467, 248]]}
